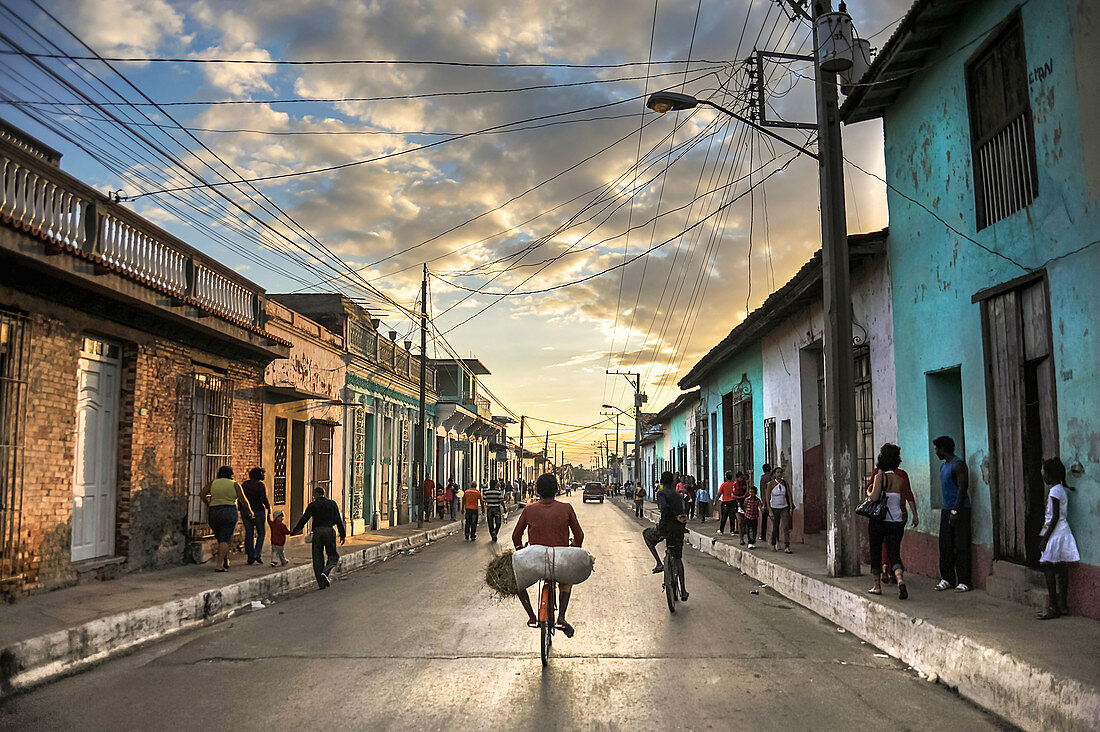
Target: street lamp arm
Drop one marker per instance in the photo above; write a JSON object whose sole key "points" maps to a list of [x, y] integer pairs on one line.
{"points": [[750, 123]]}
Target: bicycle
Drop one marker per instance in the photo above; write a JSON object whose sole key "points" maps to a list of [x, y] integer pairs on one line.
{"points": [[547, 610], [672, 593]]}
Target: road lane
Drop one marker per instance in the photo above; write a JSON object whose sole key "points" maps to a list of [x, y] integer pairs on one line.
{"points": [[419, 643]]}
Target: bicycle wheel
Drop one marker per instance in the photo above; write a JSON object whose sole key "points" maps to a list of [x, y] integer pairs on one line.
{"points": [[547, 636], [670, 582]]}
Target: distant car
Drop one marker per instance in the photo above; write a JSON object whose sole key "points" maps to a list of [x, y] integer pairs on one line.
{"points": [[595, 491]]}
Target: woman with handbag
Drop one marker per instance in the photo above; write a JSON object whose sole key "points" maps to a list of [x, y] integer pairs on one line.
{"points": [[885, 508]]}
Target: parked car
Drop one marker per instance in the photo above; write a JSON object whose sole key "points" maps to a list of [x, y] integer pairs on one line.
{"points": [[593, 490]]}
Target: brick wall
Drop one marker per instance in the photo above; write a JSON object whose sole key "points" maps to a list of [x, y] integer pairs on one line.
{"points": [[153, 443]]}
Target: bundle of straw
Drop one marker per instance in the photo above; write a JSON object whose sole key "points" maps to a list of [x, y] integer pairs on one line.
{"points": [[500, 577]]}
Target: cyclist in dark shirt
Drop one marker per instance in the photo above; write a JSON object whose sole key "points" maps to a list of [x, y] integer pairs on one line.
{"points": [[670, 528]]}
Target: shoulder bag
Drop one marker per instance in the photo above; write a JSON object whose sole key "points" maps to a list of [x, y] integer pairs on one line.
{"points": [[874, 510]]}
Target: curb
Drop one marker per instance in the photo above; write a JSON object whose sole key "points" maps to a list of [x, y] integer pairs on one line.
{"points": [[1026, 695], [35, 661]]}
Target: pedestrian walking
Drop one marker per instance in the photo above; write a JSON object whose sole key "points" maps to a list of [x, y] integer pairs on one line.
{"points": [[690, 489], [954, 518], [493, 499], [702, 500], [728, 503], [753, 504], [1059, 546], [326, 519], [765, 480], [279, 532], [222, 496], [639, 501], [471, 499], [427, 497], [781, 506], [440, 501], [450, 495], [882, 564], [255, 526], [740, 493], [889, 529]]}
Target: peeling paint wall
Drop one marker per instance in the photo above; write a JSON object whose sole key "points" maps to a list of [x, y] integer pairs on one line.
{"points": [[787, 374], [935, 271]]}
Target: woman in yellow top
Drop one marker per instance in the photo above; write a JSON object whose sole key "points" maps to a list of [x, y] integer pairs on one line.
{"points": [[222, 496]]}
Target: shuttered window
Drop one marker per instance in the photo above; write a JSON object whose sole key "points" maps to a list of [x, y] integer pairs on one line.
{"points": [[1002, 136]]}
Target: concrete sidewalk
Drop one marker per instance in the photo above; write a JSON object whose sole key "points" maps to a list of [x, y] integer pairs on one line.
{"points": [[1037, 675], [56, 633]]}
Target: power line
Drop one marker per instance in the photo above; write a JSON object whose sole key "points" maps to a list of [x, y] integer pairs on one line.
{"points": [[365, 62]]}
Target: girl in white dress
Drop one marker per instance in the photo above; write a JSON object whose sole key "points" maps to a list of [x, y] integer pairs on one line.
{"points": [[1059, 548]]}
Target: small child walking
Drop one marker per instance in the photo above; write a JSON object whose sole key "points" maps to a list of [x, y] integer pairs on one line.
{"points": [[752, 513], [1059, 546], [279, 532]]}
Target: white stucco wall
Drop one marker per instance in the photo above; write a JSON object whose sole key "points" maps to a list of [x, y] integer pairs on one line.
{"points": [[785, 367]]}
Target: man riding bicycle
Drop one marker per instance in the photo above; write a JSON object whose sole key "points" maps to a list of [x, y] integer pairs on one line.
{"points": [[548, 523], [670, 529]]}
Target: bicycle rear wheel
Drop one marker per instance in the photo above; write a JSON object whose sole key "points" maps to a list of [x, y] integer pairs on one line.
{"points": [[546, 621], [670, 582]]}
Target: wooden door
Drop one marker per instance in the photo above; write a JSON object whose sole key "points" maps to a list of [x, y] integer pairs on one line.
{"points": [[1022, 413], [96, 464]]}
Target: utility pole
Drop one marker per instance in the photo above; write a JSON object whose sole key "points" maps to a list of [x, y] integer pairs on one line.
{"points": [[418, 473], [639, 400], [522, 478], [841, 488], [546, 449]]}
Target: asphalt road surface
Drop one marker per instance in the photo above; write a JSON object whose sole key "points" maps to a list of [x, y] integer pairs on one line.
{"points": [[418, 643]]}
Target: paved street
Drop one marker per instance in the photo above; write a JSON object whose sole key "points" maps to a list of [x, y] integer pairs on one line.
{"points": [[417, 643]]}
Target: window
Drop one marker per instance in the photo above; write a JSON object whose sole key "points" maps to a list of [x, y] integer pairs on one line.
{"points": [[211, 429], [1001, 134], [737, 427], [13, 405], [278, 478], [865, 413]]}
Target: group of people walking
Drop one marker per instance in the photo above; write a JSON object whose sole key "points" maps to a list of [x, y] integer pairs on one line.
{"points": [[748, 510], [228, 501]]}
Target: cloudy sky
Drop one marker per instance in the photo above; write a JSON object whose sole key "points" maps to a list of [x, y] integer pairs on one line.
{"points": [[568, 229]]}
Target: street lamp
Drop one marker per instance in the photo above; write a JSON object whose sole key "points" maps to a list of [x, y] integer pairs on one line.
{"points": [[666, 101], [831, 30]]}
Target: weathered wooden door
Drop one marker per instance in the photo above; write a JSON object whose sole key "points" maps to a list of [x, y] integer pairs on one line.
{"points": [[96, 465], [1022, 412]]}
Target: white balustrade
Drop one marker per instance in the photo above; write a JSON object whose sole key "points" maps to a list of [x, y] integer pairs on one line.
{"points": [[34, 199]]}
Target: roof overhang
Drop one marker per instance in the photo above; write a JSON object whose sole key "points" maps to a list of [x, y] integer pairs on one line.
{"points": [[913, 45]]}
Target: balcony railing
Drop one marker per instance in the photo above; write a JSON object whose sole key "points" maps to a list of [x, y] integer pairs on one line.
{"points": [[41, 199]]}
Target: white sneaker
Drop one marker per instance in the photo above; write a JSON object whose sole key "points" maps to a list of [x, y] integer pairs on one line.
{"points": [[961, 588], [943, 585], [752, 546]]}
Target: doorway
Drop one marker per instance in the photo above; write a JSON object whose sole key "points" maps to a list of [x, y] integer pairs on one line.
{"points": [[96, 464], [297, 470], [1021, 408], [945, 417]]}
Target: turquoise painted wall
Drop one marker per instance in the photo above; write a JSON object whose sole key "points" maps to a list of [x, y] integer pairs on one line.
{"points": [[748, 362], [935, 271]]}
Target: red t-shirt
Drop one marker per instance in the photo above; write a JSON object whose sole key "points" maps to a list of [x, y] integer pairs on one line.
{"points": [[548, 524], [727, 491], [740, 488], [471, 498]]}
